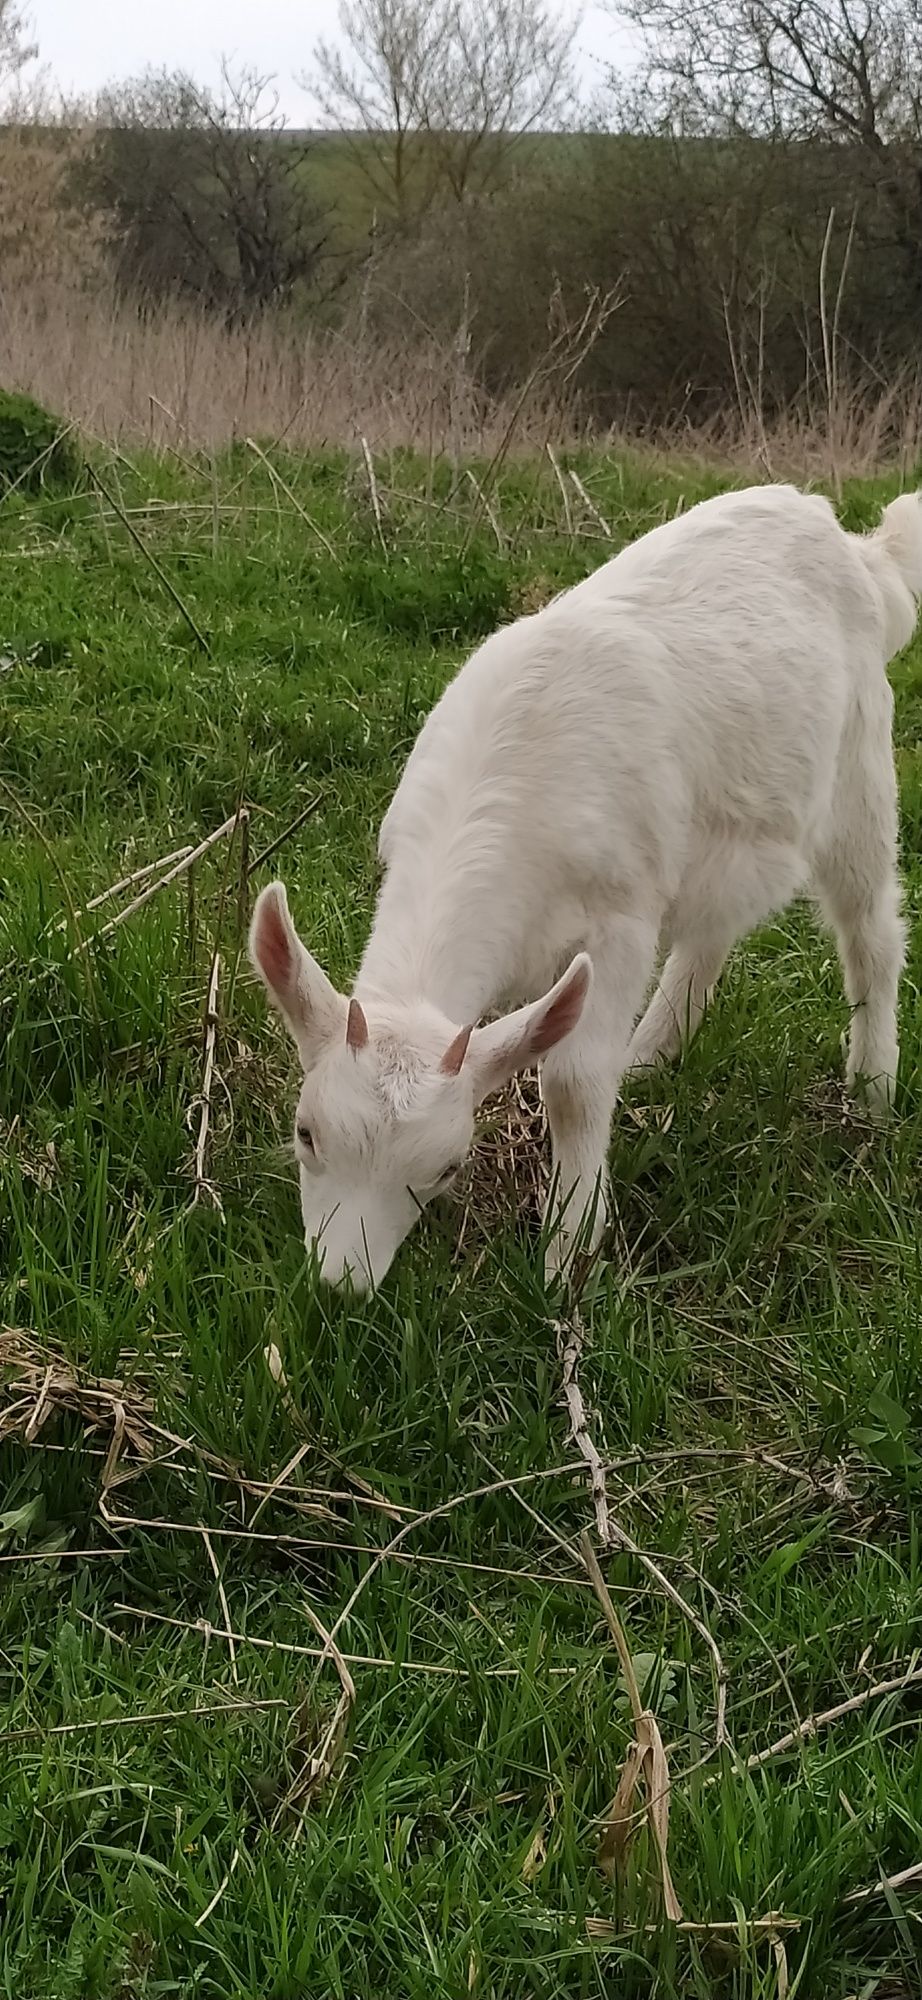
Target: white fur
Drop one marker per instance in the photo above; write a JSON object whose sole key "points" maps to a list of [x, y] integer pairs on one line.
{"points": [[654, 763]]}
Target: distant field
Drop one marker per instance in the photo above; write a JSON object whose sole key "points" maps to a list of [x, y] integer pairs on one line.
{"points": [[342, 170], [187, 1807]]}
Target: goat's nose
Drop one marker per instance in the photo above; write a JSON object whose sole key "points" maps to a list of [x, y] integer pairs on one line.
{"points": [[338, 1271]]}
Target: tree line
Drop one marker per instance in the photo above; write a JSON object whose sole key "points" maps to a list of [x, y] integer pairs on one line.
{"points": [[751, 193]]}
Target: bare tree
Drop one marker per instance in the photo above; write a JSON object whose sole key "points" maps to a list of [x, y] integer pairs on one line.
{"points": [[16, 47], [434, 95], [835, 69], [208, 192], [841, 77]]}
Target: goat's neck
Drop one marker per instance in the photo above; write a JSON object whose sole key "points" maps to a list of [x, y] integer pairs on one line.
{"points": [[435, 937]]}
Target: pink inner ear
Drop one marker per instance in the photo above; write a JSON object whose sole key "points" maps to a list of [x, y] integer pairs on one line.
{"points": [[456, 1052], [562, 1015], [273, 947], [356, 1027]]}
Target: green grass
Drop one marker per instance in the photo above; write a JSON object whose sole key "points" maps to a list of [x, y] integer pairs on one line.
{"points": [[770, 1303]]}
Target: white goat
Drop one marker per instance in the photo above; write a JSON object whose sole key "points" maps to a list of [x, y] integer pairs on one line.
{"points": [[657, 761]]}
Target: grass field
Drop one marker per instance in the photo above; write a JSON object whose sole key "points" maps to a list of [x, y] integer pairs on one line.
{"points": [[183, 1813]]}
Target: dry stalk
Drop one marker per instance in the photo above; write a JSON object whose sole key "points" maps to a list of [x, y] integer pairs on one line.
{"points": [[294, 827], [243, 873], [811, 1724], [487, 508], [391, 1548], [904, 1879], [436, 1668], [210, 1907], [277, 480], [558, 475], [179, 867], [373, 490], [205, 1189], [150, 558], [603, 1929], [139, 875], [774, 1925], [321, 1764], [645, 1766], [225, 1607], [591, 507], [35, 1731], [110, 1468], [610, 1531], [569, 1334], [37, 1385]]}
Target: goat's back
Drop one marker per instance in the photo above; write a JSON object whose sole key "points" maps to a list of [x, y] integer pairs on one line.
{"points": [[705, 674]]}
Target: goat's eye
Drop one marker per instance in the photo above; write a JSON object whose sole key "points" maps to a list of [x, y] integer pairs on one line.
{"points": [[306, 1138]]}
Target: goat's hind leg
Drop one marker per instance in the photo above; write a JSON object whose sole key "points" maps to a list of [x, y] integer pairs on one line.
{"points": [[682, 995], [857, 883], [737, 886]]}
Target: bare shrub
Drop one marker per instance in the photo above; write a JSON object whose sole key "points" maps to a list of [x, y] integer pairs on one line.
{"points": [[170, 375], [125, 372]]}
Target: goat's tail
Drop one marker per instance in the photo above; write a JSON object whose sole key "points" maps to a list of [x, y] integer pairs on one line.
{"points": [[900, 535]]}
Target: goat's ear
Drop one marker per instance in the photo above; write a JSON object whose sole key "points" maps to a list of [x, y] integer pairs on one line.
{"points": [[310, 1006], [496, 1052]]}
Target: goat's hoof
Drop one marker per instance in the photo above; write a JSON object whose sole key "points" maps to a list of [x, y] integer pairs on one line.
{"points": [[874, 1095]]}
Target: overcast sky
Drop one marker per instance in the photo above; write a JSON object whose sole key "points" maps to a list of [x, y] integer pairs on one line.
{"points": [[86, 43]]}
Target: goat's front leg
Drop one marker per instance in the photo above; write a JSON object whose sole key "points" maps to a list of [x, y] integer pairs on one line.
{"points": [[580, 1081], [579, 1110]]}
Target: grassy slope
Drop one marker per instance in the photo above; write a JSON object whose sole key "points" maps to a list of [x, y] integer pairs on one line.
{"points": [[772, 1300]]}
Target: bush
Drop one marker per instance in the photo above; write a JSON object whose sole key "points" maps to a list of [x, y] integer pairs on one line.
{"points": [[36, 454]]}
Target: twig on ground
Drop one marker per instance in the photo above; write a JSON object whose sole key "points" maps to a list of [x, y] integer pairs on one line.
{"points": [[906, 1878], [225, 1607], [603, 1929], [610, 1532], [33, 1731], [811, 1724], [205, 1189], [437, 1668], [303, 1546], [179, 868], [139, 875]]}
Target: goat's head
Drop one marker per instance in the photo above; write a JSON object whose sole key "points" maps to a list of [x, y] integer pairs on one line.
{"points": [[386, 1110]]}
